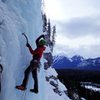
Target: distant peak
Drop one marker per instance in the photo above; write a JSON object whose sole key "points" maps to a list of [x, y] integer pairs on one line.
{"points": [[77, 57]]}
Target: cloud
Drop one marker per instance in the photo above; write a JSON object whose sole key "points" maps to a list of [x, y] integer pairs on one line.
{"points": [[92, 51], [86, 46], [78, 27], [94, 3]]}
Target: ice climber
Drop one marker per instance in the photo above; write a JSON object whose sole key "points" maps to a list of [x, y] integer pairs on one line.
{"points": [[34, 64]]}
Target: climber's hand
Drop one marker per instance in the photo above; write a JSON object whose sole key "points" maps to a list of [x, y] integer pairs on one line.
{"points": [[27, 44]]}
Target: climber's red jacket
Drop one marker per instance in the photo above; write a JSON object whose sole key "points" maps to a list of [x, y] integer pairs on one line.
{"points": [[37, 53]]}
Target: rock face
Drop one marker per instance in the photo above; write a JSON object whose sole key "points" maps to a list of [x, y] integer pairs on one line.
{"points": [[49, 58]]}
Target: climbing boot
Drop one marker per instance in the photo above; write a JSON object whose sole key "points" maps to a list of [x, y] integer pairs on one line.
{"points": [[21, 88], [34, 90]]}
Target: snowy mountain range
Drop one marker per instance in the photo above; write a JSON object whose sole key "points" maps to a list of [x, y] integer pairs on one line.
{"points": [[76, 62]]}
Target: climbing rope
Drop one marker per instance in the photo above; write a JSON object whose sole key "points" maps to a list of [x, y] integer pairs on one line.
{"points": [[1, 69], [0, 80], [23, 95]]}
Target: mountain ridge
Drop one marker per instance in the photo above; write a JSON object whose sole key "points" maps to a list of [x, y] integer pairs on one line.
{"points": [[76, 62]]}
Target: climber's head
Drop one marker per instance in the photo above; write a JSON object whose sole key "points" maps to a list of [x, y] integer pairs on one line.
{"points": [[42, 42]]}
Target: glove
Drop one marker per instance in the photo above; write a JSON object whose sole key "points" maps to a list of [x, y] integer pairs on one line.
{"points": [[27, 45]]}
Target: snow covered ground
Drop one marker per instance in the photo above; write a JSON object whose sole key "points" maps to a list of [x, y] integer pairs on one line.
{"points": [[93, 88], [16, 17], [54, 84]]}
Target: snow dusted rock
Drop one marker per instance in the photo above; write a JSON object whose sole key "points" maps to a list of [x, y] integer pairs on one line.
{"points": [[51, 95], [51, 77], [51, 72], [83, 99], [61, 86], [48, 57]]}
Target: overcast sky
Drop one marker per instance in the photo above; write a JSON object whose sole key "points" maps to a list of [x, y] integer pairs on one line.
{"points": [[78, 26]]}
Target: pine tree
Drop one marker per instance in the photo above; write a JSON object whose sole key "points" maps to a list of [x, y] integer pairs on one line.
{"points": [[49, 28], [44, 18], [53, 35]]}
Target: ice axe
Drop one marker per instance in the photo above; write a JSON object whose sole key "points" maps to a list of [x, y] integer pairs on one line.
{"points": [[25, 37]]}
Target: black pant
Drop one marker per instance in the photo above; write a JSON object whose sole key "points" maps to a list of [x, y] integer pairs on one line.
{"points": [[0, 85], [31, 68]]}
